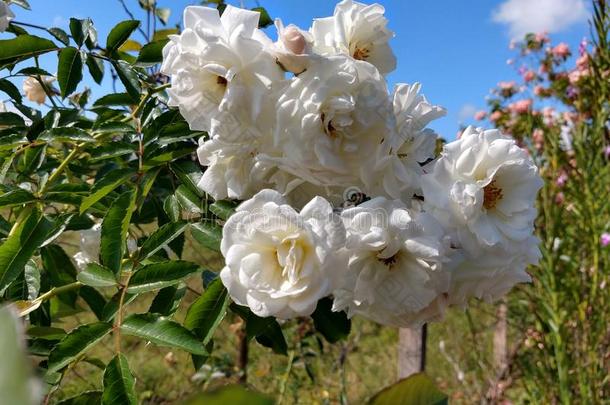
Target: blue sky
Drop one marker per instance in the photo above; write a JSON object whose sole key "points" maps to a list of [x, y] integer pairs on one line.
{"points": [[456, 49]]}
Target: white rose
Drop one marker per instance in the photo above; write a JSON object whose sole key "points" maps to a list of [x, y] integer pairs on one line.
{"points": [[280, 262], [33, 89], [232, 171], [221, 74], [6, 16], [493, 272], [293, 49], [484, 187], [396, 169], [357, 30], [396, 273], [329, 120]]}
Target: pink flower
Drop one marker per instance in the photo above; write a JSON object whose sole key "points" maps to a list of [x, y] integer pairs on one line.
{"points": [[542, 37], [539, 90], [604, 239], [480, 115], [521, 106], [559, 198], [506, 85], [529, 76], [495, 116], [582, 63], [561, 50], [562, 179], [538, 138]]}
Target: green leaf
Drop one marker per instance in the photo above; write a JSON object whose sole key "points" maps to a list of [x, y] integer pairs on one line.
{"points": [[69, 70], [94, 299], [46, 332], [128, 77], [223, 209], [16, 380], [96, 68], [120, 33], [114, 99], [34, 71], [60, 270], [334, 326], [21, 3], [418, 389], [151, 53], [189, 174], [231, 394], [23, 47], [161, 237], [264, 20], [206, 312], [189, 201], [130, 46], [104, 186], [9, 88], [207, 234], [85, 398], [60, 35], [96, 275], [22, 242], [162, 332], [80, 29], [77, 342], [167, 300], [119, 383], [159, 275], [114, 230], [16, 197], [112, 306], [171, 207], [163, 34], [11, 119], [66, 134]]}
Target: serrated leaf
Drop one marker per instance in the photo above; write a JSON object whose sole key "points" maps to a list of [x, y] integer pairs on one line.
{"points": [[119, 383], [206, 312], [114, 99], [11, 90], [189, 174], [162, 332], [171, 207], [120, 33], [207, 234], [151, 53], [114, 230], [23, 47], [66, 134], [167, 300], [69, 70], [60, 35], [159, 275], [96, 68], [59, 270], [112, 305], [11, 119], [80, 29], [189, 201], [416, 389], [223, 209], [21, 244], [94, 300], [130, 46], [128, 77], [96, 275], [161, 237], [334, 326], [104, 186], [16, 197], [77, 342]]}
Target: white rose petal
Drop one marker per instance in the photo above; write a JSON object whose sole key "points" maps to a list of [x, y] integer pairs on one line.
{"points": [[220, 72], [280, 262], [33, 89], [357, 30], [396, 273]]}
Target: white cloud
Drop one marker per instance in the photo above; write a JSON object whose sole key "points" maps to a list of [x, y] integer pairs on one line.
{"points": [[466, 112], [523, 16]]}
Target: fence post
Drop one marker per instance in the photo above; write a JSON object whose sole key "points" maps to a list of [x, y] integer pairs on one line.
{"points": [[411, 351]]}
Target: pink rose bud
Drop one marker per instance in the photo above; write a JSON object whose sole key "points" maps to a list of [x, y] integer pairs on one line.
{"points": [[495, 116], [529, 76], [294, 40]]}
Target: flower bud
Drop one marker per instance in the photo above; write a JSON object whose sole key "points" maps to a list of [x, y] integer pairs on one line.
{"points": [[293, 40]]}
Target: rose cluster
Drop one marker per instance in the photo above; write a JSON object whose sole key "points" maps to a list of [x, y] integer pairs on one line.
{"points": [[343, 195]]}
